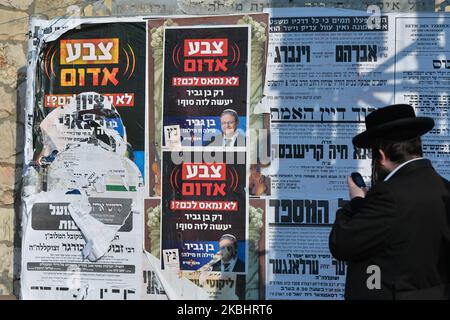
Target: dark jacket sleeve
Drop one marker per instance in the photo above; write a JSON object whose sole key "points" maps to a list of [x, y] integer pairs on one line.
{"points": [[362, 225]]}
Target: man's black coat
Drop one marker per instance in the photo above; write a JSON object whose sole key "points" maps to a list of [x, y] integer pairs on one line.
{"points": [[401, 226], [239, 266]]}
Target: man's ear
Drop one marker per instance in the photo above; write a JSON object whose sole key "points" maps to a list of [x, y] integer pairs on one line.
{"points": [[383, 157]]}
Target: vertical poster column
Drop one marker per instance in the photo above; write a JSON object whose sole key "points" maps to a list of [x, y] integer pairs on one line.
{"points": [[257, 24], [422, 78], [87, 165], [204, 162], [327, 69]]}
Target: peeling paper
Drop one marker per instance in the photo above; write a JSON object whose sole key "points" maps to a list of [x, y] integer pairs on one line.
{"points": [[262, 106], [152, 289], [86, 244], [55, 247], [98, 236], [90, 116], [76, 168], [60, 26], [84, 152], [176, 287]]}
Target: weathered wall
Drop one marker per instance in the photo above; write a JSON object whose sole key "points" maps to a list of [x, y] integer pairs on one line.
{"points": [[14, 18]]}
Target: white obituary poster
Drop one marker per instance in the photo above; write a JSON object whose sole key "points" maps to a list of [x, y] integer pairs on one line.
{"points": [[298, 262], [422, 78], [327, 69]]}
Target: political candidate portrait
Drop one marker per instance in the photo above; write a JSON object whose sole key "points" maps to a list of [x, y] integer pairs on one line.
{"points": [[230, 135]]}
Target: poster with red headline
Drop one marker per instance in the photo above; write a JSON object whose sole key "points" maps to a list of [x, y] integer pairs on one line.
{"points": [[205, 75], [104, 59], [204, 211]]}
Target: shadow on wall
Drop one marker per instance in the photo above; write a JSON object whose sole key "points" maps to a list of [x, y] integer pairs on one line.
{"points": [[21, 88]]}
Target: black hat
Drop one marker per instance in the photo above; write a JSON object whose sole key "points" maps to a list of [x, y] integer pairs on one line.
{"points": [[395, 122]]}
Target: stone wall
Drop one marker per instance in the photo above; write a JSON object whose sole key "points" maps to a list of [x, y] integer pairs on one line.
{"points": [[14, 18]]}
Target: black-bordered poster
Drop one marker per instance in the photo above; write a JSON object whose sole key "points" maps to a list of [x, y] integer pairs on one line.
{"points": [[205, 93]]}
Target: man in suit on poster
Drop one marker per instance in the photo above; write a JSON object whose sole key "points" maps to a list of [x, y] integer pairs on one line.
{"points": [[395, 238], [230, 135], [229, 260]]}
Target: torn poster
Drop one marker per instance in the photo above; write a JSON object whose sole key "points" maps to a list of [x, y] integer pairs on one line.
{"points": [[174, 285], [75, 170], [52, 262], [106, 58], [83, 214], [89, 115], [152, 289], [103, 206]]}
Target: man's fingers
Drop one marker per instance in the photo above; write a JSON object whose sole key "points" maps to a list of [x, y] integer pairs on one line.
{"points": [[354, 190], [350, 182]]}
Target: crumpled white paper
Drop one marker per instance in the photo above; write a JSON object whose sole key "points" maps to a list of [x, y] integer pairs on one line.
{"points": [[98, 235]]}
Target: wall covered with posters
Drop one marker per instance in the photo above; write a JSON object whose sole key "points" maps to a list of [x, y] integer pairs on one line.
{"points": [[326, 70], [205, 157], [125, 109]]}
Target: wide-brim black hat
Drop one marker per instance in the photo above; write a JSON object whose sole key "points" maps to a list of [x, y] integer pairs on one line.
{"points": [[396, 122]]}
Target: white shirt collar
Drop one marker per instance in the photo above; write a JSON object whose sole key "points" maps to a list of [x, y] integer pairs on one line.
{"points": [[399, 167], [231, 139]]}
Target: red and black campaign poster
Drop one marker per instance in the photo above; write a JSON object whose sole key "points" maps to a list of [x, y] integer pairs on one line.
{"points": [[108, 59], [204, 208], [206, 72]]}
